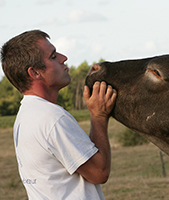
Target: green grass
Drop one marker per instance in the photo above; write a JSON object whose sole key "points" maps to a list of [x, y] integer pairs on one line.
{"points": [[79, 115], [136, 172], [7, 121], [10, 184]]}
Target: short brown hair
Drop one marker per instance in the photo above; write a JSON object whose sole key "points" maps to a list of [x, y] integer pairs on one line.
{"points": [[18, 54]]}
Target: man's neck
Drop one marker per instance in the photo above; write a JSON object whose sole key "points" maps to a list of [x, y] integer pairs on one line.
{"points": [[49, 96]]}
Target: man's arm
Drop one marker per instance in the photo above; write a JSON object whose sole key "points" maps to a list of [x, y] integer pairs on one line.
{"points": [[96, 170]]}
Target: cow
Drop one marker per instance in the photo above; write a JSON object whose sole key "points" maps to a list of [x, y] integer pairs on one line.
{"points": [[142, 102]]}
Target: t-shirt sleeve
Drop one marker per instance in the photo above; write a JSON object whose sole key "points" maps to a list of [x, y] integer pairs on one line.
{"points": [[70, 144]]}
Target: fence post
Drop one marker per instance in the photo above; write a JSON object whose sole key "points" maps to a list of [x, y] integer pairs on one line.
{"points": [[163, 165]]}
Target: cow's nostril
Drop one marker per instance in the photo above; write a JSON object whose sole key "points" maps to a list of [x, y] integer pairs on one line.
{"points": [[94, 68]]}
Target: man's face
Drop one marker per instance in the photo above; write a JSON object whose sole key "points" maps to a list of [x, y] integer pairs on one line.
{"points": [[56, 75]]}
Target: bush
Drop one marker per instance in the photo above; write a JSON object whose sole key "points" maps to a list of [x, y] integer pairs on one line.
{"points": [[130, 138], [80, 115], [7, 121]]}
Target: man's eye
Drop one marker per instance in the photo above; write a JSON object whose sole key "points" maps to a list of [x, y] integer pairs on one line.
{"points": [[53, 56]]}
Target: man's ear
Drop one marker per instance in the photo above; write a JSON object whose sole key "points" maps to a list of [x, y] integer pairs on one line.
{"points": [[34, 73]]}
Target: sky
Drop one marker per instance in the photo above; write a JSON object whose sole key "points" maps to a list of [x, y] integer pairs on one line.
{"points": [[88, 30]]}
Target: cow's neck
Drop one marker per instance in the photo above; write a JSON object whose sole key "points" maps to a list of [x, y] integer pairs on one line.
{"points": [[159, 142]]}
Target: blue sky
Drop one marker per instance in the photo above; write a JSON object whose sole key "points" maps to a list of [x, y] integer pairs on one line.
{"points": [[92, 29]]}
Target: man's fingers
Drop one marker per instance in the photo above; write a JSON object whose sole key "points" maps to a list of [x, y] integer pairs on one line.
{"points": [[103, 88], [96, 88], [114, 95], [102, 100], [109, 91], [100, 89], [86, 93]]}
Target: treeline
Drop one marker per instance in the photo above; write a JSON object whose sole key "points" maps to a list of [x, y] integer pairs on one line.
{"points": [[70, 97]]}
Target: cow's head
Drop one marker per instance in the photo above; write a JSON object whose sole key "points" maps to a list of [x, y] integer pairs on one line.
{"points": [[143, 95]]}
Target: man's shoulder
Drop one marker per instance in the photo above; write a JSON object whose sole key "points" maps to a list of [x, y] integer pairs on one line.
{"points": [[38, 103], [40, 109]]}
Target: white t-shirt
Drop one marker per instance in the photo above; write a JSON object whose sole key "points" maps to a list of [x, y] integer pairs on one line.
{"points": [[50, 146]]}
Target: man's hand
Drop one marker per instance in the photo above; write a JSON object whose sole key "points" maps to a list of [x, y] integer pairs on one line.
{"points": [[100, 104], [102, 100]]}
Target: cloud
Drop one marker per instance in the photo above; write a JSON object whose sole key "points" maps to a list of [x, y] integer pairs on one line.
{"points": [[44, 2], [103, 2], [74, 49], [96, 48], [84, 16], [65, 45], [50, 21], [78, 50], [2, 3], [69, 2], [1, 73], [150, 46]]}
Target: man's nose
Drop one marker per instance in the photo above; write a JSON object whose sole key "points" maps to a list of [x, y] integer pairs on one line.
{"points": [[63, 58]]}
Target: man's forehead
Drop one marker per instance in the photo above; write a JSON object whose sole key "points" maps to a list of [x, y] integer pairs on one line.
{"points": [[44, 43], [46, 46]]}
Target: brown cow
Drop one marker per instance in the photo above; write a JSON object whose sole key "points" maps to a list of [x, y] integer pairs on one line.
{"points": [[143, 95]]}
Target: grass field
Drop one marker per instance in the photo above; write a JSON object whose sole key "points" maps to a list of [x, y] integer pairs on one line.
{"points": [[136, 172]]}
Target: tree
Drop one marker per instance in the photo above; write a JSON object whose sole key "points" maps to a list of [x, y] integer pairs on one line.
{"points": [[64, 99], [130, 138], [6, 88], [71, 97], [81, 73], [9, 98]]}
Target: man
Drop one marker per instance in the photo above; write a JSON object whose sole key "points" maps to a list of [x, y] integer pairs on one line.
{"points": [[56, 158]]}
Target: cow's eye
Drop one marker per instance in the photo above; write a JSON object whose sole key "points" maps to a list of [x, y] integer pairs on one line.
{"points": [[156, 73]]}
